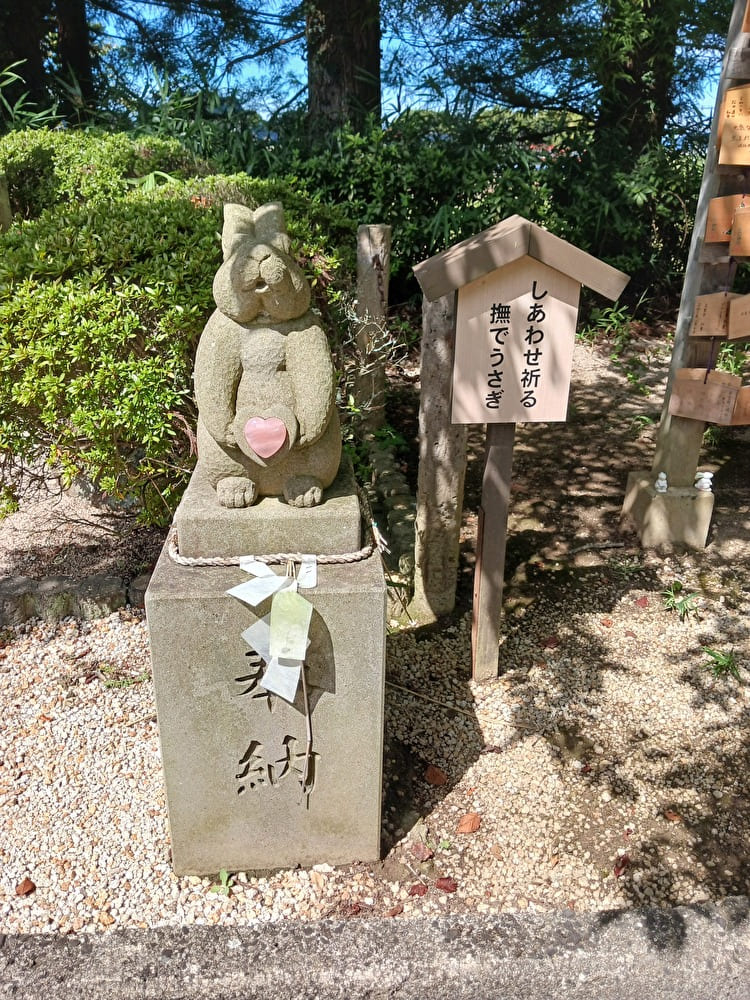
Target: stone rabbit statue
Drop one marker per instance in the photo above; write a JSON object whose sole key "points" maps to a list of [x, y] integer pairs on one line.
{"points": [[264, 377]]}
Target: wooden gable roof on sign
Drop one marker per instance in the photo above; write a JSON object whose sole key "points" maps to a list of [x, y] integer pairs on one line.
{"points": [[506, 242]]}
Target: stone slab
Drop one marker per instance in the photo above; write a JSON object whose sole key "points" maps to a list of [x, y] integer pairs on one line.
{"points": [[16, 599], [98, 596], [205, 528], [229, 751], [681, 516]]}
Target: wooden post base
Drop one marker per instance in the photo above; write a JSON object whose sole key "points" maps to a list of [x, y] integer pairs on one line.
{"points": [[491, 541]]}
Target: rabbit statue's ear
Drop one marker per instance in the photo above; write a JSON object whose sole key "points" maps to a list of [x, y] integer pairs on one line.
{"points": [[239, 224], [270, 227]]}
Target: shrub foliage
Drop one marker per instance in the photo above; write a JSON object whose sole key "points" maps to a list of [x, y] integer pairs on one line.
{"points": [[104, 290], [106, 273]]}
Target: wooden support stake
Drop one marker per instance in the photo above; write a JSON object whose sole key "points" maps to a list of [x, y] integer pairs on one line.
{"points": [[6, 216], [373, 347], [490, 567], [442, 469]]}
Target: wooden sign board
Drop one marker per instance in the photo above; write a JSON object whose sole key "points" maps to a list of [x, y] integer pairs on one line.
{"points": [[739, 318], [515, 331], [711, 314], [741, 412], [506, 242], [698, 397], [739, 241], [721, 216], [735, 106], [738, 58], [517, 288], [735, 143]]}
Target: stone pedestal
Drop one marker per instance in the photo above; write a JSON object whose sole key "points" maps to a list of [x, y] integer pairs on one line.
{"points": [[205, 528], [681, 516], [232, 754]]}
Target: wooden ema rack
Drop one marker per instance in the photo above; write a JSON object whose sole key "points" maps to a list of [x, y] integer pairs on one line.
{"points": [[704, 393]]}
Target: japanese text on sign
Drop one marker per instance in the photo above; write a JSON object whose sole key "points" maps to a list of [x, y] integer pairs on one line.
{"points": [[533, 353], [514, 344]]}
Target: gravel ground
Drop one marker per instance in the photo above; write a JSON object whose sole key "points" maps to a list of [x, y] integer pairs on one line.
{"points": [[606, 767]]}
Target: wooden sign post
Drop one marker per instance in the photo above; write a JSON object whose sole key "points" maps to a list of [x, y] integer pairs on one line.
{"points": [[518, 289]]}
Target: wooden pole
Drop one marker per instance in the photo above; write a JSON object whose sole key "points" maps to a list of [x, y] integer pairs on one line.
{"points": [[373, 346], [491, 540], [442, 469], [679, 439]]}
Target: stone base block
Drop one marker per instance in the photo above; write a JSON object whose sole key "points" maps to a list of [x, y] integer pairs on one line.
{"points": [[232, 754], [205, 528], [681, 516]]}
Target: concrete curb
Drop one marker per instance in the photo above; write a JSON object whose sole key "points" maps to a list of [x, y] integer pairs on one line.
{"points": [[57, 597], [700, 952]]}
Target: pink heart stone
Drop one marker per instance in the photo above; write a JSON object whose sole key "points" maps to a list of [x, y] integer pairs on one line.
{"points": [[265, 435]]}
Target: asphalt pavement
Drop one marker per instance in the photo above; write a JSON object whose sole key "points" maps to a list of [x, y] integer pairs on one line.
{"points": [[695, 953]]}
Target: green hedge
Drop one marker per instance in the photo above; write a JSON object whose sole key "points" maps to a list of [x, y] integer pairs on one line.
{"points": [[103, 296], [48, 168]]}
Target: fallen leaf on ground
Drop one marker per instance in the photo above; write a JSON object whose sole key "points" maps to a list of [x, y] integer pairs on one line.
{"points": [[621, 865], [642, 602], [496, 852], [469, 823], [25, 888], [421, 851], [630, 633], [447, 884], [395, 910], [554, 860], [607, 622], [418, 889], [672, 816], [551, 642], [435, 775]]}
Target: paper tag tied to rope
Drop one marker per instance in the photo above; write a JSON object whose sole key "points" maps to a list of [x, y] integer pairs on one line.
{"points": [[307, 574], [258, 637], [281, 677], [290, 625], [259, 588], [281, 639], [254, 566]]}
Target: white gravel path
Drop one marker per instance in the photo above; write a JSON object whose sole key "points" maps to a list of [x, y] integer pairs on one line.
{"points": [[606, 767], [607, 739]]}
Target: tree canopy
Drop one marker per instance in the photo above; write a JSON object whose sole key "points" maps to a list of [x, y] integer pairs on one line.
{"points": [[638, 65]]}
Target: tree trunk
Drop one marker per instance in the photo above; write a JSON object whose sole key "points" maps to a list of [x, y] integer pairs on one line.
{"points": [[636, 70], [23, 28], [74, 53], [343, 63]]}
